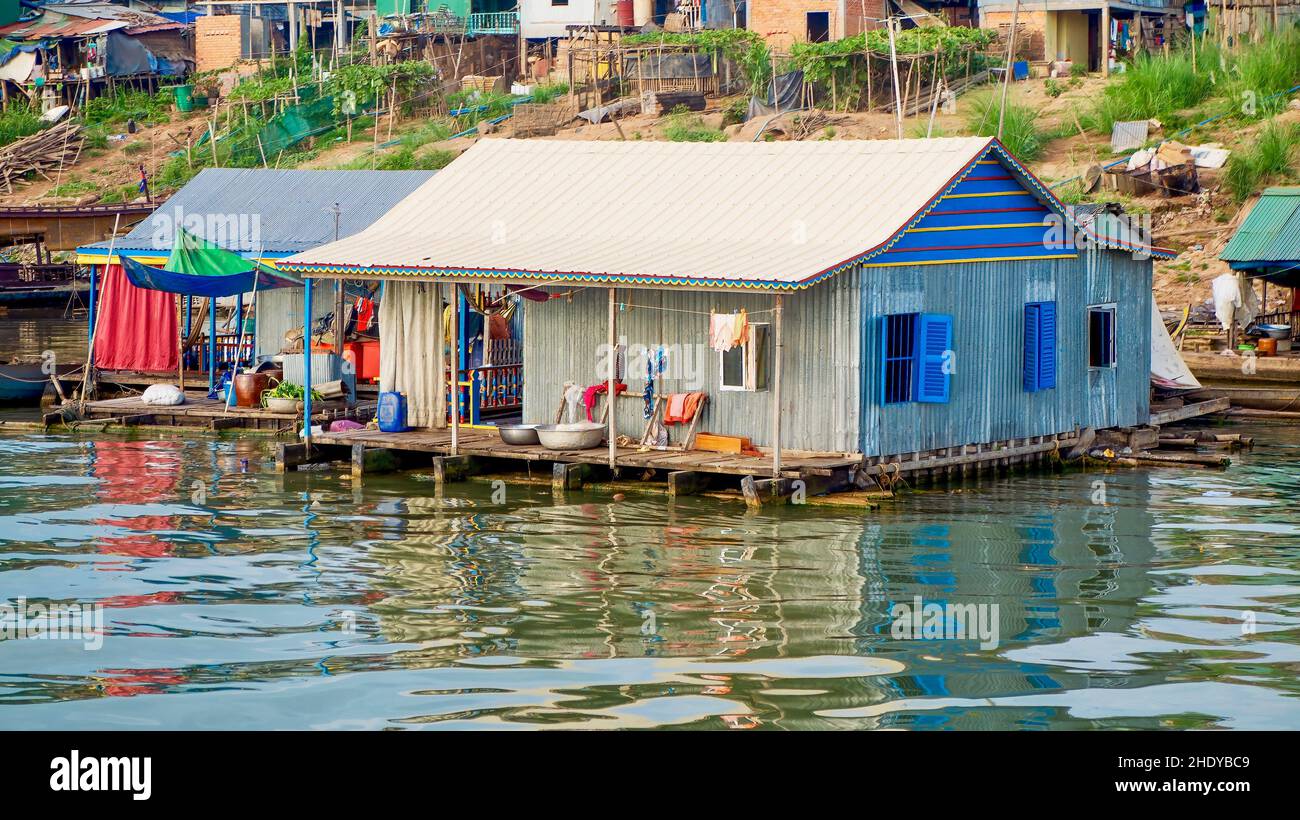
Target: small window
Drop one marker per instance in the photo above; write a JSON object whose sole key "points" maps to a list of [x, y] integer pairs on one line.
{"points": [[1040, 346], [745, 367], [1101, 336], [819, 26], [916, 362], [559, 2], [899, 342]]}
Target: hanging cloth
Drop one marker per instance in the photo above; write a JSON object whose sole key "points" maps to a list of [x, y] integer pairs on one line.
{"points": [[722, 331]]}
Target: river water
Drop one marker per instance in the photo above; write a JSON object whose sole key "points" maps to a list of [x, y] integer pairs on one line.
{"points": [[233, 597]]}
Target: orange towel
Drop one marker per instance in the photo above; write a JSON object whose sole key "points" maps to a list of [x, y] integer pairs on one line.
{"points": [[682, 407]]}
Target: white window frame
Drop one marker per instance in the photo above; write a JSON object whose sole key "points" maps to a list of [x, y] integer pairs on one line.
{"points": [[749, 363], [1113, 307]]}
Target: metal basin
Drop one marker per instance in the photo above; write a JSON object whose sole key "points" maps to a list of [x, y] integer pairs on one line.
{"points": [[518, 434], [582, 436], [1275, 331]]}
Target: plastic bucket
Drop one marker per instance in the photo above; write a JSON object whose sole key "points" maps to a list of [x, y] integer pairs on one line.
{"points": [[184, 97]]}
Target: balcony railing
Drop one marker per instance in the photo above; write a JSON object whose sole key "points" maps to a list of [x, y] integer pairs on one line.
{"points": [[493, 22]]}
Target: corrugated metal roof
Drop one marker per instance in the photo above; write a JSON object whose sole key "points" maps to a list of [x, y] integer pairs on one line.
{"points": [[1270, 232], [755, 215], [84, 19], [292, 207]]}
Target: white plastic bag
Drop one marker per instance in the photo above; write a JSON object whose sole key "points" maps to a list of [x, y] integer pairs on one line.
{"points": [[163, 395]]}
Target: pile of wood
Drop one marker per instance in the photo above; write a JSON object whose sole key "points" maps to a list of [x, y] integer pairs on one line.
{"points": [[541, 119], [55, 147]]}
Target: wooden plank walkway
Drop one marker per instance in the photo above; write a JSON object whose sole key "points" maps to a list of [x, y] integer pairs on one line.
{"points": [[475, 442], [199, 410]]}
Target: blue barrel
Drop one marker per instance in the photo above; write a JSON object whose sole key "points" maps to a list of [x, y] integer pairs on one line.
{"points": [[392, 412]]}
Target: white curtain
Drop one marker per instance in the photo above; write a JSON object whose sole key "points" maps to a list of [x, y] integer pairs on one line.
{"points": [[411, 350]]}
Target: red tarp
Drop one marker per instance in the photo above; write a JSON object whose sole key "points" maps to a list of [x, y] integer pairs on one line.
{"points": [[135, 329]]}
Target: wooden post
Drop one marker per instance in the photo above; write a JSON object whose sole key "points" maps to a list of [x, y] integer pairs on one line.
{"points": [[180, 342], [776, 387], [455, 369], [1007, 70], [1105, 39], [609, 396], [306, 360], [893, 62]]}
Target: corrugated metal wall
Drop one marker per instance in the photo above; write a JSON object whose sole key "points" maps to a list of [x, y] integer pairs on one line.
{"points": [[820, 385], [986, 300], [830, 370], [280, 310]]}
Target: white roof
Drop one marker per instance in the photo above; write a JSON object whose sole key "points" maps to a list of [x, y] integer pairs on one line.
{"points": [[758, 215]]}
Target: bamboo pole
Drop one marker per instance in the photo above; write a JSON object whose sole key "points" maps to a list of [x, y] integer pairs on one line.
{"points": [[893, 62], [1007, 70], [455, 369], [609, 395], [776, 386]]}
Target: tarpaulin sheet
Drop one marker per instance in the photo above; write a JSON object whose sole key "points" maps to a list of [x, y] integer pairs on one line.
{"points": [[669, 66], [788, 88], [201, 268], [135, 328], [125, 56]]}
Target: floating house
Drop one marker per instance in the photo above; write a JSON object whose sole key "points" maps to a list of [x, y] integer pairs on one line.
{"points": [[263, 215], [904, 300], [1267, 246], [74, 51]]}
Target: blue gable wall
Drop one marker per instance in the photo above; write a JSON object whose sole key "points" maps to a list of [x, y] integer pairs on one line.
{"points": [[989, 215]]}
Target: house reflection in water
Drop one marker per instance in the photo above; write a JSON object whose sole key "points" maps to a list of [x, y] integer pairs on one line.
{"points": [[636, 579]]}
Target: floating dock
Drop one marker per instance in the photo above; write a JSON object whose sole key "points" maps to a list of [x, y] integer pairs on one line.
{"points": [[201, 411]]}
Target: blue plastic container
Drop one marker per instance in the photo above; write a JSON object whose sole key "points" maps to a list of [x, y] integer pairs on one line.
{"points": [[392, 412]]}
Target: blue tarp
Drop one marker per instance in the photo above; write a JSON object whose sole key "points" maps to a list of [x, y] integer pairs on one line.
{"points": [[126, 56], [144, 276], [185, 17]]}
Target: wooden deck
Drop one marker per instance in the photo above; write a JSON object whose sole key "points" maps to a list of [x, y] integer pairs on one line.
{"points": [[201, 411], [477, 442]]}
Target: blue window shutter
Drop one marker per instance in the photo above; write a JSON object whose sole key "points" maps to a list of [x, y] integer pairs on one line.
{"points": [[884, 358], [1032, 364], [1047, 346], [933, 339]]}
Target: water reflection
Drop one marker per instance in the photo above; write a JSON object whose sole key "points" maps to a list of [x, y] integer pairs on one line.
{"points": [[238, 598]]}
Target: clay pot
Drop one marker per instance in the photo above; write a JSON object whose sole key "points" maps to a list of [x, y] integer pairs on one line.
{"points": [[249, 388]]}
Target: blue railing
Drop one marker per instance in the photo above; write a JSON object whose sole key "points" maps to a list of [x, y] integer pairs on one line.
{"points": [[493, 22]]}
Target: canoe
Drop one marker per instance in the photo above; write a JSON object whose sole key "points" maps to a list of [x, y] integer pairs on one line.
{"points": [[25, 382]]}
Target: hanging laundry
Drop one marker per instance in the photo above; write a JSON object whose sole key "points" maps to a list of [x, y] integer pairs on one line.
{"points": [[365, 309], [654, 365], [726, 330], [589, 395], [740, 329], [682, 407]]}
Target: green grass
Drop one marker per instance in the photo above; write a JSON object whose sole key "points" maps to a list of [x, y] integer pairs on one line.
{"points": [[18, 122], [1153, 86], [1020, 134], [683, 126], [74, 187], [1262, 70], [1270, 158], [403, 159], [137, 147], [546, 93]]}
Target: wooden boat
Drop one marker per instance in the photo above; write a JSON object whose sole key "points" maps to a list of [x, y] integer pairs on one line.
{"points": [[25, 382], [1266, 383]]}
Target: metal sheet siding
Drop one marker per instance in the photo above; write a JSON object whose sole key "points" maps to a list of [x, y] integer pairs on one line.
{"points": [[986, 300], [1270, 232], [831, 375], [280, 310], [819, 367]]}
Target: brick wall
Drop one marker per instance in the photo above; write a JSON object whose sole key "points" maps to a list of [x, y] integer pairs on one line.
{"points": [[218, 41], [782, 22]]}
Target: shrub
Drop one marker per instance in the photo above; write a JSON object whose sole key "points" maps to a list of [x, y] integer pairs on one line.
{"points": [[1267, 159], [1020, 133], [686, 127]]}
